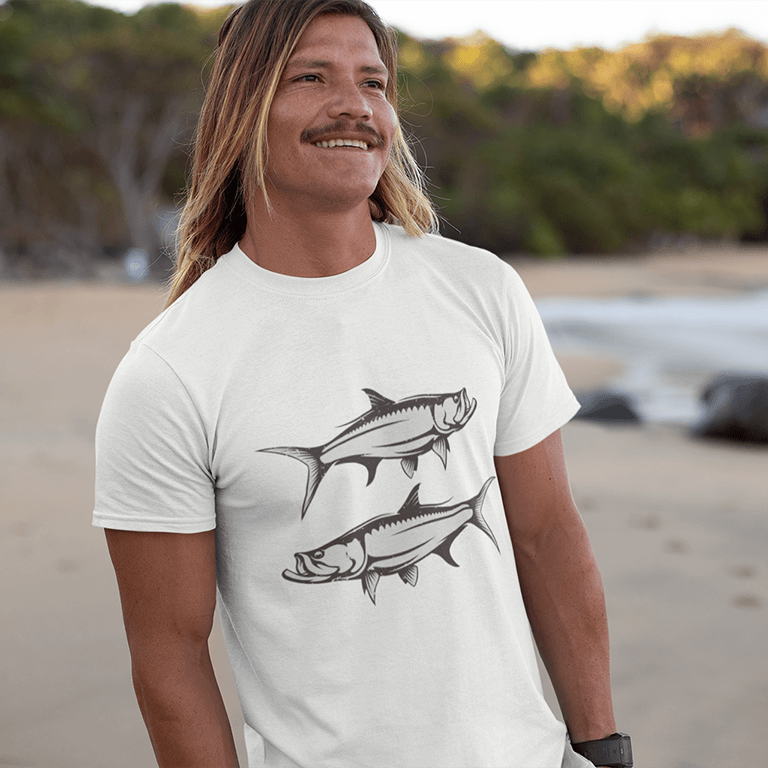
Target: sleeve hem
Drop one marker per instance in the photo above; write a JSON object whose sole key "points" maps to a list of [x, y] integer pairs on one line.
{"points": [[153, 526], [562, 416]]}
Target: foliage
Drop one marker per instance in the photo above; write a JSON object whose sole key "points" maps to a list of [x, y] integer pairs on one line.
{"points": [[590, 150], [576, 151], [108, 98]]}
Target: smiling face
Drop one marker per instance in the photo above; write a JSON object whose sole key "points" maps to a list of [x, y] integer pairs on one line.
{"points": [[330, 125]]}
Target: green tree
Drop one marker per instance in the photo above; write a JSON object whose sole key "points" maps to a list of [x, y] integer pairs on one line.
{"points": [[39, 220], [588, 150], [560, 151], [134, 82], [127, 90]]}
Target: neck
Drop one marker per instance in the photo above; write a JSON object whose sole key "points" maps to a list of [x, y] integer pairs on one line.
{"points": [[314, 245]]}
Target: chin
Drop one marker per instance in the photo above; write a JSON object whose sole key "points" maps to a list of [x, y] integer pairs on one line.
{"points": [[343, 200]]}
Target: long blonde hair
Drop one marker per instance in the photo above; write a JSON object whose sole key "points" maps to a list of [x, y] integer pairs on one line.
{"points": [[230, 149]]}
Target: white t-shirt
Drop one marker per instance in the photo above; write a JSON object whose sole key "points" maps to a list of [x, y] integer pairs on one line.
{"points": [[339, 434]]}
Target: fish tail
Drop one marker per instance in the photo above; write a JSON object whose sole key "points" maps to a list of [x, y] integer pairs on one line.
{"points": [[317, 468], [477, 517]]}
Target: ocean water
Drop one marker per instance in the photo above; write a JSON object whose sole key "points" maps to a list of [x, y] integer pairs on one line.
{"points": [[670, 346]]}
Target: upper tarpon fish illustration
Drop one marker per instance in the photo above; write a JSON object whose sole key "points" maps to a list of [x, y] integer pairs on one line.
{"points": [[402, 429], [392, 544]]}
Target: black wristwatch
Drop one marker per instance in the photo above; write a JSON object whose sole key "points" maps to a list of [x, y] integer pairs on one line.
{"points": [[614, 751]]}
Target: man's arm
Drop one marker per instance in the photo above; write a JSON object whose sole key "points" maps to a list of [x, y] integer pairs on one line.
{"points": [[561, 585], [167, 585]]}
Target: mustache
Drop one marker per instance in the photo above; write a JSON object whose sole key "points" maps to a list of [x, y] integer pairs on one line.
{"points": [[311, 135]]}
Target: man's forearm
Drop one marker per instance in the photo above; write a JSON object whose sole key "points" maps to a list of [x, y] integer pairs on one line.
{"points": [[564, 598], [183, 710]]}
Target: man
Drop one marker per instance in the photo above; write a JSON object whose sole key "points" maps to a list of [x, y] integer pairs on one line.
{"points": [[309, 431]]}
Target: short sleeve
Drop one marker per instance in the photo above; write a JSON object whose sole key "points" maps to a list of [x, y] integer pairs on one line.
{"points": [[536, 399], [152, 457]]}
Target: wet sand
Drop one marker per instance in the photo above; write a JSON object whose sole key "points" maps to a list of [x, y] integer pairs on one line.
{"points": [[680, 528]]}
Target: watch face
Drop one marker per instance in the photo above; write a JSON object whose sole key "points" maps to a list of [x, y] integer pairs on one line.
{"points": [[625, 751]]}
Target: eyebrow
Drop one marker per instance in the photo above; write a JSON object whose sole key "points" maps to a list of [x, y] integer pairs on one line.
{"points": [[368, 69]]}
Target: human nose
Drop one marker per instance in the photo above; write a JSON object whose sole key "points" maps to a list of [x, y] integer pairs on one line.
{"points": [[349, 101]]}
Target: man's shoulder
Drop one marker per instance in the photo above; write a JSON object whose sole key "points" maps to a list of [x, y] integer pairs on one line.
{"points": [[445, 254], [193, 318]]}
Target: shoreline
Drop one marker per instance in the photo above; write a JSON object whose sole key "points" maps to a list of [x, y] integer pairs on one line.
{"points": [[710, 271], [707, 269]]}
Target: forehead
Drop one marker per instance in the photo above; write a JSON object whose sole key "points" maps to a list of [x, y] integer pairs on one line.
{"points": [[339, 37]]}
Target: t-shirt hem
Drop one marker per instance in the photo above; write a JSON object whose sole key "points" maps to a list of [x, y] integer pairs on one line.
{"points": [[154, 525], [561, 417]]}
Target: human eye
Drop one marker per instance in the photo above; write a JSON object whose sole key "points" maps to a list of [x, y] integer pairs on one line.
{"points": [[377, 84], [307, 78]]}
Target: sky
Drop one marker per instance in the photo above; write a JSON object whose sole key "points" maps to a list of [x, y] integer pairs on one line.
{"points": [[539, 24]]}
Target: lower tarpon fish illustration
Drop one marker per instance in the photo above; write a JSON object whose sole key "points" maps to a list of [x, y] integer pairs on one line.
{"points": [[392, 544], [402, 429]]}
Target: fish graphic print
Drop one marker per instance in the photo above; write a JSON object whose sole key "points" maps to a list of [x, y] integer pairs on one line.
{"points": [[391, 544], [390, 429]]}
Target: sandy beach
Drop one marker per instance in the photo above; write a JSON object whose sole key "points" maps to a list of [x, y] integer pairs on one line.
{"points": [[679, 526]]}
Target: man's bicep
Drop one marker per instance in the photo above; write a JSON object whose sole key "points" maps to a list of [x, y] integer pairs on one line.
{"points": [[534, 488], [167, 584]]}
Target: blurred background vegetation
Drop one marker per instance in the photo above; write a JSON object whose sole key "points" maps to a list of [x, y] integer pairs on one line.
{"points": [[545, 153]]}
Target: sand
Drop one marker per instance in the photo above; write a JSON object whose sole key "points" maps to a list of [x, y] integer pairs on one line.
{"points": [[680, 528]]}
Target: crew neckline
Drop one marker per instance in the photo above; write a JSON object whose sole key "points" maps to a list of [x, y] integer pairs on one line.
{"points": [[312, 286]]}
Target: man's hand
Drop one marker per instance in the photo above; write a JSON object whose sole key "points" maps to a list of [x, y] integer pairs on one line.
{"points": [[167, 587], [561, 585]]}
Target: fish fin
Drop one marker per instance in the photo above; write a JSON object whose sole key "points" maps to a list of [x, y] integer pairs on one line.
{"points": [[411, 504], [371, 465], [316, 467], [477, 517], [370, 580], [377, 401], [444, 550], [441, 448], [410, 575], [409, 465]]}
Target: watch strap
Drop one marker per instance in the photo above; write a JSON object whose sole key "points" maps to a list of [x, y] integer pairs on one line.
{"points": [[614, 751]]}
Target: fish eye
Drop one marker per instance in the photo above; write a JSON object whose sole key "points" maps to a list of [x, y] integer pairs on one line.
{"points": [[317, 555]]}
